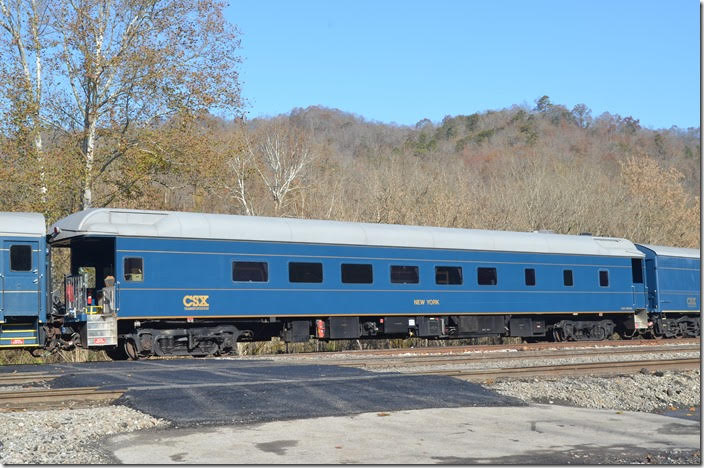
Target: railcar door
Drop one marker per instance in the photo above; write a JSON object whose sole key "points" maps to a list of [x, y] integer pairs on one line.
{"points": [[638, 276], [2, 285], [652, 283], [20, 282]]}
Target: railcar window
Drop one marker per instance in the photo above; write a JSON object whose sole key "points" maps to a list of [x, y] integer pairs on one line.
{"points": [[448, 275], [567, 278], [487, 276], [404, 274], [134, 269], [304, 272], [603, 278], [530, 276], [250, 271], [637, 270], [20, 257], [356, 273]]}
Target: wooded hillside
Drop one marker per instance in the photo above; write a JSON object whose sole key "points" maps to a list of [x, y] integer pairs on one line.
{"points": [[517, 169], [112, 103]]}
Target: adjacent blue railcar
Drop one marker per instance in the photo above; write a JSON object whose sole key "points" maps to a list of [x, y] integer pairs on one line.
{"points": [[673, 277], [23, 278], [190, 283]]}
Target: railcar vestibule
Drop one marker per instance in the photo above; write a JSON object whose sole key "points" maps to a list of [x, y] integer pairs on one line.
{"points": [[91, 257]]}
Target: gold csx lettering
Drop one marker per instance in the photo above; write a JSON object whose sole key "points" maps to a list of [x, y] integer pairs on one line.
{"points": [[195, 301]]}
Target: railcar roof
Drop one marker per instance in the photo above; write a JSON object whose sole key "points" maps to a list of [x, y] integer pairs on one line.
{"points": [[172, 224], [667, 251], [22, 224]]}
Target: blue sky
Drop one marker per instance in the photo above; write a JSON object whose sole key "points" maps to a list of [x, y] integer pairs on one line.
{"points": [[402, 61]]}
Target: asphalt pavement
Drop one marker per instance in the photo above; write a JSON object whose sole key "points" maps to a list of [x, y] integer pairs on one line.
{"points": [[222, 391]]}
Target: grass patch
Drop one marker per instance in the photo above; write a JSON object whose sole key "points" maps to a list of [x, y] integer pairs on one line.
{"points": [[13, 357], [276, 346]]}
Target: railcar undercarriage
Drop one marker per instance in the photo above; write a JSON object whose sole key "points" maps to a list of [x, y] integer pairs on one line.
{"points": [[140, 339], [182, 338], [676, 326]]}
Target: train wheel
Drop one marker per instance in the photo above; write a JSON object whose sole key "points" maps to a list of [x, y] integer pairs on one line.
{"points": [[598, 333], [117, 353], [131, 350], [557, 335]]}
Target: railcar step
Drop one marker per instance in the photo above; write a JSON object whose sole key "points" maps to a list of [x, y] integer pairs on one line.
{"points": [[100, 330], [19, 335]]}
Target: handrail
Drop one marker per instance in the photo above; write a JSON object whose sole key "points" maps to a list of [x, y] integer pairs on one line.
{"points": [[117, 297], [75, 294], [2, 304], [39, 292]]}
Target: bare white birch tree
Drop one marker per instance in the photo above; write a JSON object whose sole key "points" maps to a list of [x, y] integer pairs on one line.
{"points": [[23, 40], [242, 168], [131, 63], [283, 154], [240, 165]]}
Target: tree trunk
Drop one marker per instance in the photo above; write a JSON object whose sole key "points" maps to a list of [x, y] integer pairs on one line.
{"points": [[38, 147], [89, 153]]}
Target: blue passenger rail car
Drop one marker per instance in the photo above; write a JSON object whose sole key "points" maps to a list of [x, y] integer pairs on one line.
{"points": [[23, 276], [673, 279], [191, 283]]}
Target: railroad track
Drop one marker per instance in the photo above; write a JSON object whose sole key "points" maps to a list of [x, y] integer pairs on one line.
{"points": [[52, 398], [590, 368], [399, 361], [17, 378], [451, 350], [376, 362]]}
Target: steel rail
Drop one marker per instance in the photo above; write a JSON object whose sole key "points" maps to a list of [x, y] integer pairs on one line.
{"points": [[407, 361], [55, 397], [591, 368], [460, 349], [644, 344], [16, 378]]}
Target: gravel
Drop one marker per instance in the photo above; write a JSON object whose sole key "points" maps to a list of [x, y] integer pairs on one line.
{"points": [[645, 391], [65, 436], [19, 388], [495, 362]]}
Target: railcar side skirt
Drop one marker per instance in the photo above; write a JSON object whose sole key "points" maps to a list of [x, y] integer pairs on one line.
{"points": [[400, 314]]}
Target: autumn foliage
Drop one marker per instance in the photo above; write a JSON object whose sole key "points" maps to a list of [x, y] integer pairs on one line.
{"points": [[137, 104]]}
